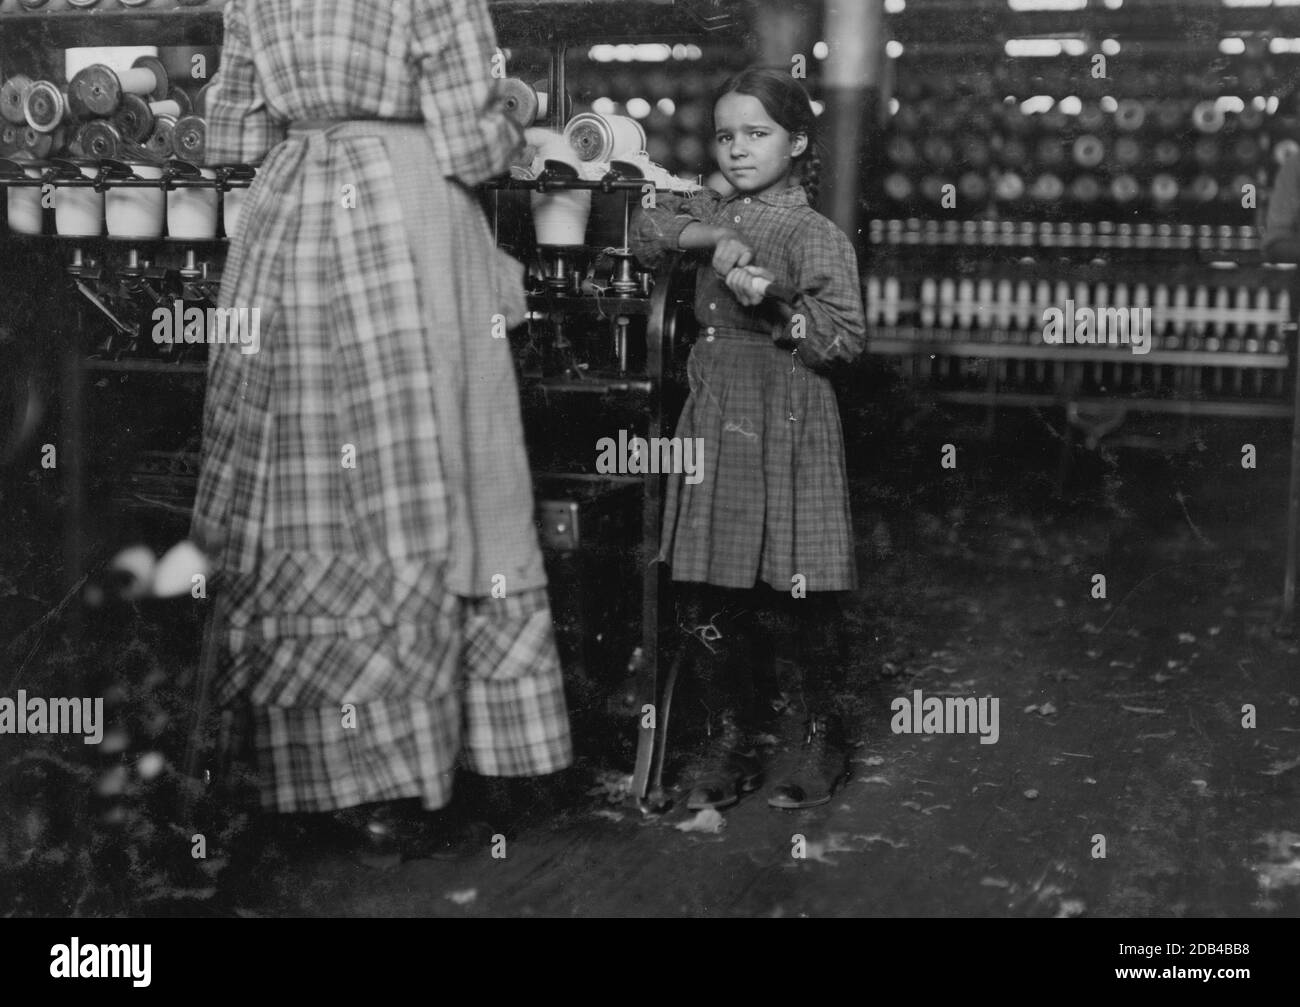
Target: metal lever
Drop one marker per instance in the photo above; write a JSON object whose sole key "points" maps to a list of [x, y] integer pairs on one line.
{"points": [[94, 299]]}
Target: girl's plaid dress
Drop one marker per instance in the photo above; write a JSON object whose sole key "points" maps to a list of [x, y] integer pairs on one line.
{"points": [[773, 503], [357, 548]]}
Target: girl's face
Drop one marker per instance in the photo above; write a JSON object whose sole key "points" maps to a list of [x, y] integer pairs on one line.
{"points": [[753, 152]]}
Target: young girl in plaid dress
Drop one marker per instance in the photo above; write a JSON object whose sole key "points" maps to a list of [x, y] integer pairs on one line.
{"points": [[778, 300]]}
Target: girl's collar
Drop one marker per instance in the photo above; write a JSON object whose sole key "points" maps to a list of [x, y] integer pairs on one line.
{"points": [[792, 196]]}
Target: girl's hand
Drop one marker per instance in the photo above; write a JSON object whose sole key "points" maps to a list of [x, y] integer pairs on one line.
{"points": [[743, 282], [731, 250]]}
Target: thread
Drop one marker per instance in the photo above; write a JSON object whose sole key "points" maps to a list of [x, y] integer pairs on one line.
{"points": [[79, 212], [135, 212], [604, 137], [192, 213], [25, 204], [560, 218], [232, 206]]}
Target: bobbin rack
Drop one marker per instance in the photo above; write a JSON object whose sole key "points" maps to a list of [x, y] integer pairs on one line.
{"points": [[1107, 157]]}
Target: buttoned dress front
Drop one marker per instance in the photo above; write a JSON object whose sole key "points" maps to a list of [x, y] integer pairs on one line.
{"points": [[359, 549], [773, 504]]}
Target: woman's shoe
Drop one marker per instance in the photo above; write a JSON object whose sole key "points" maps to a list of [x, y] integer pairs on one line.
{"points": [[821, 764], [727, 768], [444, 835], [371, 834]]}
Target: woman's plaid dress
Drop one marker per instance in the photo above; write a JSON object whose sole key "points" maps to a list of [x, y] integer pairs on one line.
{"points": [[773, 503], [358, 547]]}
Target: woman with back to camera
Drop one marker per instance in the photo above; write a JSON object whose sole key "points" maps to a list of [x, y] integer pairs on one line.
{"points": [[365, 494]]}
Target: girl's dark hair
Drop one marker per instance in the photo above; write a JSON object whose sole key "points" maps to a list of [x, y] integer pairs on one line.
{"points": [[785, 100]]}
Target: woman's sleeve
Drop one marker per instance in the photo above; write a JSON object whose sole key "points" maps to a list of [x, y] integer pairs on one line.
{"points": [[655, 230], [240, 127], [452, 46], [824, 321], [1283, 207]]}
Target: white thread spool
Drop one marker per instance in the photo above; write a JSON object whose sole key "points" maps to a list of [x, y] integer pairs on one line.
{"points": [[79, 210], [560, 218], [192, 212], [136, 212], [604, 137], [232, 205], [25, 216], [138, 80], [168, 106]]}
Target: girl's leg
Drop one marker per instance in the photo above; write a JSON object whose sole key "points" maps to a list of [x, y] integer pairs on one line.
{"points": [[711, 625], [804, 640], [814, 651]]}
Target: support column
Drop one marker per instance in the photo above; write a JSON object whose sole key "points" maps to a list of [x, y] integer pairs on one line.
{"points": [[854, 93]]}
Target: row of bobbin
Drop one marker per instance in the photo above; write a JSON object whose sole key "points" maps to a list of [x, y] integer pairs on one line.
{"points": [[125, 200]]}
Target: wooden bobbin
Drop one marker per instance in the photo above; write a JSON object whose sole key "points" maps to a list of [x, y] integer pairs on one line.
{"points": [[1128, 152], [1130, 114], [45, 107], [1167, 153], [1085, 189], [898, 187], [41, 145], [1251, 117], [545, 107], [99, 138], [1207, 117], [519, 101], [179, 95], [1010, 187], [1124, 188], [1089, 151], [13, 94], [189, 138], [11, 138], [1164, 188], [97, 90], [170, 107], [134, 118], [161, 142], [1169, 115]]}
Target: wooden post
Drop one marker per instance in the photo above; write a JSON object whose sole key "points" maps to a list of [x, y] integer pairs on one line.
{"points": [[1293, 496], [785, 30], [855, 33]]}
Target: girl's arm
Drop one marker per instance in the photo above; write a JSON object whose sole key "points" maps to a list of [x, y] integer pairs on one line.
{"points": [[240, 127], [821, 306], [674, 223]]}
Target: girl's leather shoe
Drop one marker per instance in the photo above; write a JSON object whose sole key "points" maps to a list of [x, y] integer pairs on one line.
{"points": [[819, 767], [727, 768]]}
